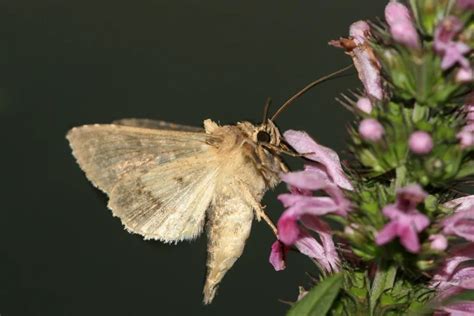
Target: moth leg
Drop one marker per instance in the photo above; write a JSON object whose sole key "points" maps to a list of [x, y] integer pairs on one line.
{"points": [[257, 207]]}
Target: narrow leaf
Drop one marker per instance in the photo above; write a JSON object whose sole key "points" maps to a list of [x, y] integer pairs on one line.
{"points": [[319, 299], [384, 279]]}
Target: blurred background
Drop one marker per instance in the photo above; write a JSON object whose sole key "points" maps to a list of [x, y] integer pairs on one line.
{"points": [[68, 63]]}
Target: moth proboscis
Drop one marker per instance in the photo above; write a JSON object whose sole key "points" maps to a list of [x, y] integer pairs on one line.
{"points": [[166, 181]]}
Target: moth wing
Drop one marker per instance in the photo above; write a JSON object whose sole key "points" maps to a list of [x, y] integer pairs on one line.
{"points": [[168, 202], [228, 228], [156, 124], [108, 152], [160, 182]]}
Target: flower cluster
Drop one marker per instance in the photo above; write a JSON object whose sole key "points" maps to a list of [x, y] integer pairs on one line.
{"points": [[323, 173], [405, 241]]}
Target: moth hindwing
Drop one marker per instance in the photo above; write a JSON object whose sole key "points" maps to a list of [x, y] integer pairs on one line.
{"points": [[163, 180]]}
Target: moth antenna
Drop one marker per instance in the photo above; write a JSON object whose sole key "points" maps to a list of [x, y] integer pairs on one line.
{"points": [[266, 107], [307, 88]]}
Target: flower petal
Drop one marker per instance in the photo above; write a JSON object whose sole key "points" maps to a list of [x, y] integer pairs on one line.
{"points": [[460, 224], [304, 144], [461, 204], [463, 308], [305, 180], [288, 229], [388, 233], [409, 238], [310, 247], [324, 231], [277, 256]]}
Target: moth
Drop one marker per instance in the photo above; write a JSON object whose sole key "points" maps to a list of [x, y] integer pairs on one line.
{"points": [[167, 181]]}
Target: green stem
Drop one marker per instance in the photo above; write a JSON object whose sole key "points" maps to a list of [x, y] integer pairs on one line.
{"points": [[401, 174]]}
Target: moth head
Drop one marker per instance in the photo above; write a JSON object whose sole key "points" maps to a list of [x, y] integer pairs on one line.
{"points": [[267, 133]]}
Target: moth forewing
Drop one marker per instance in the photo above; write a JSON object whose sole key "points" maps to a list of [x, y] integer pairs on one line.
{"points": [[162, 182]]}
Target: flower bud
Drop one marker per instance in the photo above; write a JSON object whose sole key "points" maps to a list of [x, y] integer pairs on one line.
{"points": [[420, 143], [371, 130], [401, 25], [464, 75], [359, 30], [438, 242], [364, 105]]}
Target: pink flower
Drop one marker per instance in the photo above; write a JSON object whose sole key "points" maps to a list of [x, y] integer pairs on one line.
{"points": [[302, 205], [461, 204], [445, 32], [452, 52], [405, 220], [460, 308], [364, 105], [401, 25], [367, 65], [460, 224], [466, 4], [371, 130], [328, 259], [460, 255], [455, 276], [326, 157], [438, 242], [303, 209], [277, 255], [466, 135], [420, 143]]}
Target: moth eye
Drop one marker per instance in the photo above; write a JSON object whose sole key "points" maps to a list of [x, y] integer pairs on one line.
{"points": [[263, 137]]}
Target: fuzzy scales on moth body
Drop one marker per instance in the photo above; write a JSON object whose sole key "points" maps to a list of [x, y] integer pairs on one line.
{"points": [[165, 183]]}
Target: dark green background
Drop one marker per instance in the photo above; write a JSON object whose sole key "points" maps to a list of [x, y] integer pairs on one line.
{"points": [[67, 63]]}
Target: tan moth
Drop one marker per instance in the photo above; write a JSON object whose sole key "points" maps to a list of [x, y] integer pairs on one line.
{"points": [[167, 181]]}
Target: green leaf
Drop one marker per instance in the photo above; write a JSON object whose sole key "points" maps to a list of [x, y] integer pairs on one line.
{"points": [[467, 169], [384, 279], [319, 300]]}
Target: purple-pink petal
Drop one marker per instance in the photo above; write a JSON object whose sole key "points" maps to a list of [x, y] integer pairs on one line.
{"points": [[466, 4], [460, 224], [419, 221], [304, 144], [368, 69], [305, 180], [413, 193], [409, 238], [405, 220], [461, 204], [359, 30], [277, 256], [462, 308], [310, 247], [454, 53], [288, 229], [323, 230], [401, 25], [445, 32], [395, 11], [452, 262], [387, 234]]}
